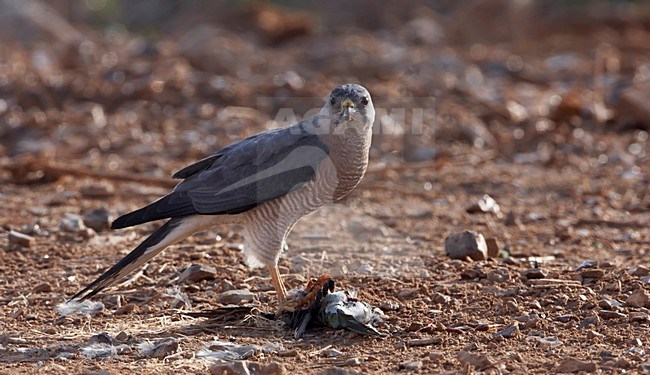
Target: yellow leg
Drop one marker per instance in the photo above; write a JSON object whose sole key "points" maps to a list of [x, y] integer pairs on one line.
{"points": [[277, 283]]}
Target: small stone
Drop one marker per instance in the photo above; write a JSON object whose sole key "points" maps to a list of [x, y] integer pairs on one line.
{"points": [[534, 273], [638, 316], [589, 321], [230, 368], [436, 357], [571, 364], [587, 264], [411, 365], [273, 368], [96, 191], [72, 223], [509, 331], [425, 342], [164, 347], [236, 297], [98, 219], [607, 314], [486, 204], [492, 247], [440, 298], [197, 272], [389, 305], [21, 239], [466, 244], [126, 309], [331, 353], [565, 318], [352, 362], [122, 336], [592, 273], [641, 271], [407, 294], [102, 338], [609, 304], [479, 361], [638, 299], [43, 288]]}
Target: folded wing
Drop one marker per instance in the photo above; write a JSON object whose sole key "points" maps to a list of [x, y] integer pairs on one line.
{"points": [[239, 177]]}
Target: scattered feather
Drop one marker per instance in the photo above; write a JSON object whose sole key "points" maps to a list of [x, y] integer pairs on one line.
{"points": [[99, 351], [226, 351], [89, 308]]}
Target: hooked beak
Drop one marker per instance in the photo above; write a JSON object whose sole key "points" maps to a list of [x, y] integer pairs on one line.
{"points": [[348, 108]]}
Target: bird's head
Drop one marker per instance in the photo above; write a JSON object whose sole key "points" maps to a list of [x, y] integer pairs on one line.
{"points": [[350, 105]]}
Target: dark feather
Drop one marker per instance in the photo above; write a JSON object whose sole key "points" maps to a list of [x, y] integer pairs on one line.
{"points": [[134, 258]]}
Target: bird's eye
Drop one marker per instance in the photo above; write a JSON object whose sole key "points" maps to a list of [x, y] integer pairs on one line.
{"points": [[364, 100], [333, 101]]}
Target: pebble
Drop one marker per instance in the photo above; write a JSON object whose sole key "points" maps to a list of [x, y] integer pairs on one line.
{"points": [[492, 247], [164, 347], [587, 264], [486, 205], [72, 223], [638, 298], [43, 288], [97, 219], [197, 272], [607, 314], [638, 316], [126, 309], [389, 305], [331, 353], [466, 244], [571, 365], [641, 271], [425, 342], [102, 338], [534, 273], [236, 297], [509, 331], [411, 365], [565, 318], [589, 321], [21, 239], [593, 273], [479, 361], [97, 191], [352, 362]]}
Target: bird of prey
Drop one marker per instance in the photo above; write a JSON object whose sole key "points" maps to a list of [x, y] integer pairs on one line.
{"points": [[264, 184]]}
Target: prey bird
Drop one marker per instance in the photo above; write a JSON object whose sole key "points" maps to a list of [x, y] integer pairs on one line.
{"points": [[264, 184]]}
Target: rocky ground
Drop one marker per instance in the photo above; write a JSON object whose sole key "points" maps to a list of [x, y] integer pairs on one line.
{"points": [[93, 122]]}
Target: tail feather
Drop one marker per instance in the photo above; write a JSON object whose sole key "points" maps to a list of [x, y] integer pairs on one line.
{"points": [[166, 235]]}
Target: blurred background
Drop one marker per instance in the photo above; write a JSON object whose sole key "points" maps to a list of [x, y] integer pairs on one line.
{"points": [[146, 86]]}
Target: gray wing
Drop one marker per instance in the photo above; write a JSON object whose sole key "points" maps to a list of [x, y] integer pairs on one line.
{"points": [[239, 177]]}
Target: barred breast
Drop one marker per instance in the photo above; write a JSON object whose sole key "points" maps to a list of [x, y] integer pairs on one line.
{"points": [[267, 225]]}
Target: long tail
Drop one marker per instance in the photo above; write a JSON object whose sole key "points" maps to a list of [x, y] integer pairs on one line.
{"points": [[170, 233]]}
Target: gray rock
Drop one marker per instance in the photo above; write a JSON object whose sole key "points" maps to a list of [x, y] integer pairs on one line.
{"points": [[466, 244], [510, 331], [161, 348], [97, 219], [21, 239], [236, 297], [197, 272], [72, 223], [486, 205]]}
